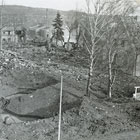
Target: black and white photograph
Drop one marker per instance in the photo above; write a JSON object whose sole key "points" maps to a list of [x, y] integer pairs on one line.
{"points": [[69, 69]]}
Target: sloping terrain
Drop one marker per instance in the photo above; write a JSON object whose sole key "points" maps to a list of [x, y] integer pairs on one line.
{"points": [[37, 94], [95, 119], [84, 119]]}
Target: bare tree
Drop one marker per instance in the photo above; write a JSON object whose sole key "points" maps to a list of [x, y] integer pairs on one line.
{"points": [[113, 45], [99, 27], [1, 25], [133, 34], [70, 25], [98, 19], [117, 33], [73, 25]]}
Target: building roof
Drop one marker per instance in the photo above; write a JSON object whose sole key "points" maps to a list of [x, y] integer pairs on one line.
{"points": [[20, 28], [39, 27], [34, 27], [8, 28]]}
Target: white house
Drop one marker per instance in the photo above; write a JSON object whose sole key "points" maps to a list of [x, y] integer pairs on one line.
{"points": [[67, 34], [8, 34]]}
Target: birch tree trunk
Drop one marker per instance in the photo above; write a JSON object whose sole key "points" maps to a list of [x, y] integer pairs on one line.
{"points": [[90, 73], [135, 65], [69, 37], [110, 75], [110, 80]]}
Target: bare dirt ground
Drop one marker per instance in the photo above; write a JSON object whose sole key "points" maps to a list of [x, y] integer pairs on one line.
{"points": [[94, 119]]}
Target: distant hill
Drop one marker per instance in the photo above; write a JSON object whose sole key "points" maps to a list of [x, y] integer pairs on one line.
{"points": [[28, 16], [16, 9]]}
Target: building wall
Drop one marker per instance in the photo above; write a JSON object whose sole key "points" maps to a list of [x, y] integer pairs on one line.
{"points": [[138, 66], [44, 33], [8, 36], [72, 36]]}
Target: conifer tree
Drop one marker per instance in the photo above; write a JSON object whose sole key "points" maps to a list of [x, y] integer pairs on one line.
{"points": [[58, 30]]}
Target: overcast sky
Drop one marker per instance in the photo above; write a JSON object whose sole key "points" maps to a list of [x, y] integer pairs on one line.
{"points": [[55, 4]]}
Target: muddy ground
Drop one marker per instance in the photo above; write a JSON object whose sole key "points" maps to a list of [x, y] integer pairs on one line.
{"points": [[93, 119]]}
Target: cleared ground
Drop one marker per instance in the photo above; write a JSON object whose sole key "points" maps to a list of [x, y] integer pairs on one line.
{"points": [[89, 119]]}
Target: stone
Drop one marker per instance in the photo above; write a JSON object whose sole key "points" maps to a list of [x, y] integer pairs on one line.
{"points": [[9, 119]]}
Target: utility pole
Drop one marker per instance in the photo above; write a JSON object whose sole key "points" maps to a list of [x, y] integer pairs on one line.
{"points": [[47, 17], [88, 4], [14, 25], [1, 25], [60, 110]]}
